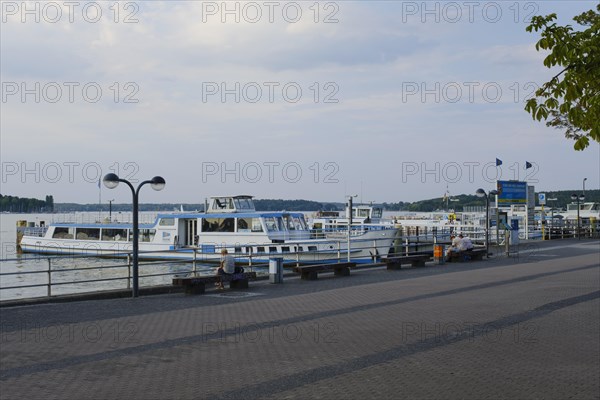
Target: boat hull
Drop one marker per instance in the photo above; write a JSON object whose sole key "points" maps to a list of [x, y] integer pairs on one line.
{"points": [[364, 248]]}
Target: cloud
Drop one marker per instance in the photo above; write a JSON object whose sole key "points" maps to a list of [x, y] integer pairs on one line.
{"points": [[394, 79]]}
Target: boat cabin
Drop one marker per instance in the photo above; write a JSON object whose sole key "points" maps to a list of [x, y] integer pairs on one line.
{"points": [[230, 204]]}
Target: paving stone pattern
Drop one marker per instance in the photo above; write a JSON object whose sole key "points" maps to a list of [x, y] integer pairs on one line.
{"points": [[525, 327]]}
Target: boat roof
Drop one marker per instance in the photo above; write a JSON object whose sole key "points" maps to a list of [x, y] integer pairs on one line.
{"points": [[252, 214], [124, 225], [238, 196], [113, 225]]}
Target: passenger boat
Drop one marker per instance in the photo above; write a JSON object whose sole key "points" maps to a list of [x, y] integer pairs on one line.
{"points": [[331, 224], [230, 222], [588, 211]]}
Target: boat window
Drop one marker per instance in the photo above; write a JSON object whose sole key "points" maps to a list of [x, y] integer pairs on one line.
{"points": [[256, 225], [218, 224], [63, 233], [377, 212], [273, 224], [260, 249], [147, 235], [114, 234], [167, 222], [243, 204], [288, 221], [249, 225], [272, 249], [88, 233], [361, 213], [298, 223], [222, 203], [243, 224]]}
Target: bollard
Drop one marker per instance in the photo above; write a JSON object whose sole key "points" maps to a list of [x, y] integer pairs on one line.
{"points": [[438, 254], [276, 270]]}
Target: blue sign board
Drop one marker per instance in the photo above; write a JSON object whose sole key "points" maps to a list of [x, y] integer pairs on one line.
{"points": [[542, 199], [511, 193]]}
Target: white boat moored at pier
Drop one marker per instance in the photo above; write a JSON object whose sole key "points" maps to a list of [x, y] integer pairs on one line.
{"points": [[229, 222]]}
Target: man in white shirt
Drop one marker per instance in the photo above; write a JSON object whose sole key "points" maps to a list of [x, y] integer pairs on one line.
{"points": [[227, 266], [465, 243], [454, 247]]}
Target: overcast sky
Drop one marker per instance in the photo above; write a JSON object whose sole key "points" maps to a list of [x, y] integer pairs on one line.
{"points": [[391, 100]]}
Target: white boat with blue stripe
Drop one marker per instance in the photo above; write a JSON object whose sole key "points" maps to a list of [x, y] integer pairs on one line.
{"points": [[230, 222]]}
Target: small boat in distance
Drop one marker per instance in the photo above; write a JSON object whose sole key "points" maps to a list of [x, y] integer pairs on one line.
{"points": [[230, 222]]}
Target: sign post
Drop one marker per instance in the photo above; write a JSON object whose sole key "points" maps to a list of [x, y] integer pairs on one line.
{"points": [[542, 201]]}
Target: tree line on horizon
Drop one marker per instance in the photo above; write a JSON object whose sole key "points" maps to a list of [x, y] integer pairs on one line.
{"points": [[15, 204]]}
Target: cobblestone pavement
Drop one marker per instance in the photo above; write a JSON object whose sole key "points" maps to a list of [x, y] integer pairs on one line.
{"points": [[525, 326]]}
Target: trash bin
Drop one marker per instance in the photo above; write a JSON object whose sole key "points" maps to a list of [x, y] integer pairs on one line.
{"points": [[438, 253], [276, 270]]}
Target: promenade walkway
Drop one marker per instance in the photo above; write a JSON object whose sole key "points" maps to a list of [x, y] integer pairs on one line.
{"points": [[522, 327]]}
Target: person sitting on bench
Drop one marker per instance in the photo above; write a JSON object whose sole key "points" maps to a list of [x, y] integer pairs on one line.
{"points": [[465, 243], [454, 247], [459, 245], [227, 267]]}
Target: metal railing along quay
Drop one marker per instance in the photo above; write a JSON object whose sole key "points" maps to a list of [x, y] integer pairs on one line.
{"points": [[49, 276]]}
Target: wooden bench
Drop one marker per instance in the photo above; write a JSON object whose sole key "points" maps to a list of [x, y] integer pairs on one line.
{"points": [[475, 254], [310, 272], [416, 260], [197, 284]]}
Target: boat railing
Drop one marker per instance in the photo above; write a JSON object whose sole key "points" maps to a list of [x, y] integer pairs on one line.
{"points": [[146, 217], [341, 230], [38, 231]]}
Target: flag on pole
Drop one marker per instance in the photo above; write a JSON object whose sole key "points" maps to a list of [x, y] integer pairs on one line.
{"points": [[528, 165], [498, 162]]}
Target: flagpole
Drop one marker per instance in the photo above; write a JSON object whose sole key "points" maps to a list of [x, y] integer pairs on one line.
{"points": [[99, 201]]}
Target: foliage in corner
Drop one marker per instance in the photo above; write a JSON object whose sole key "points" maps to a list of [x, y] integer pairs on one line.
{"points": [[571, 99]]}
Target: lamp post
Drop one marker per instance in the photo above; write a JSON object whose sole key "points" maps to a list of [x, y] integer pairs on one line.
{"points": [[481, 193], [551, 218], [110, 210], [111, 181], [349, 222], [578, 199], [583, 193]]}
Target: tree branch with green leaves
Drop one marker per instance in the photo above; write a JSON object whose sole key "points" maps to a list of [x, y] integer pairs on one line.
{"points": [[570, 101]]}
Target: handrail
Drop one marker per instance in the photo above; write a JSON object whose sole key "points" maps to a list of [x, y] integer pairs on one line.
{"points": [[401, 245], [195, 257]]}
